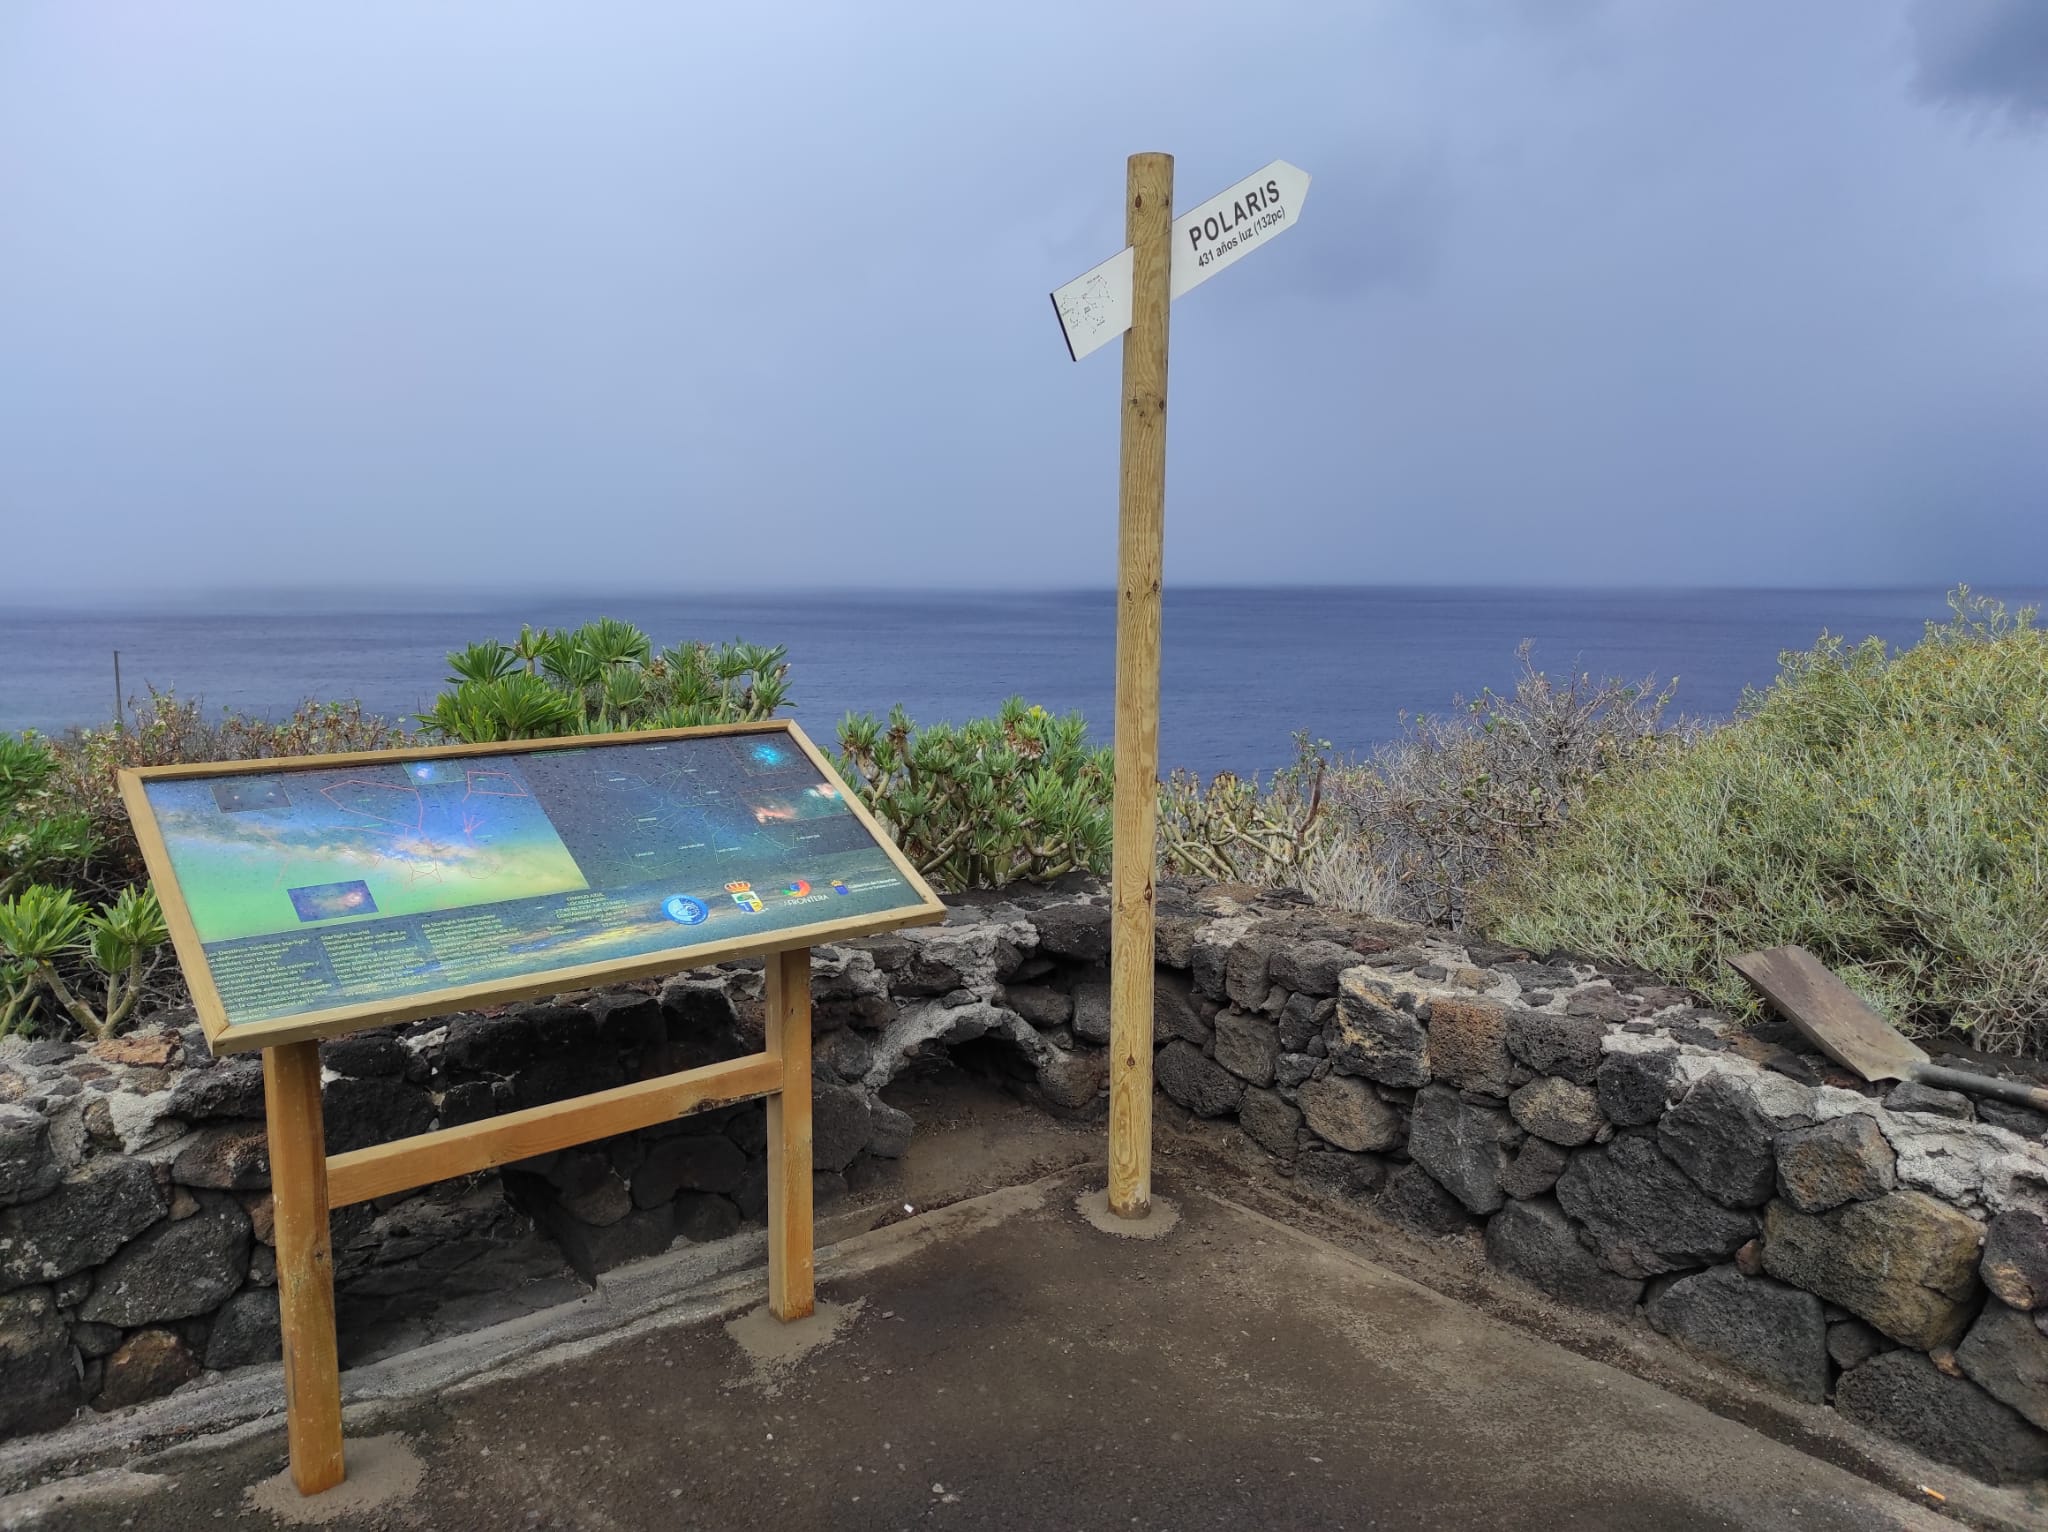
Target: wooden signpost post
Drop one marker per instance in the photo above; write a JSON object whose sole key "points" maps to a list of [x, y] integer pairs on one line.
{"points": [[1129, 295], [312, 897]]}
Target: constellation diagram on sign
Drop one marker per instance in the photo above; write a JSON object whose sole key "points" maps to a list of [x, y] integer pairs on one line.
{"points": [[426, 828]]}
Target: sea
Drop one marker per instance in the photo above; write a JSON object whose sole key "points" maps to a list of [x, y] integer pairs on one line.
{"points": [[1242, 670]]}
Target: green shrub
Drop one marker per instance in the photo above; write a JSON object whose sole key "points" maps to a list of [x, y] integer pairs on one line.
{"points": [[602, 678], [40, 832], [1887, 810], [987, 802]]}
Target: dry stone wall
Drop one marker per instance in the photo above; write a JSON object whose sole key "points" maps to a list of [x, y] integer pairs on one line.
{"points": [[135, 1213], [1593, 1132], [1606, 1140]]}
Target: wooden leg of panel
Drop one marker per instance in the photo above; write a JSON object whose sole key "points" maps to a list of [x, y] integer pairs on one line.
{"points": [[305, 1265], [790, 1281]]}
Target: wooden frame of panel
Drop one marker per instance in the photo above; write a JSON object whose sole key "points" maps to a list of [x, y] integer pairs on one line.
{"points": [[336, 1020], [307, 1183]]}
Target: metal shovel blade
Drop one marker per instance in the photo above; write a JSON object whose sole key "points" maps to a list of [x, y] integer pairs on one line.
{"points": [[1830, 1015]]}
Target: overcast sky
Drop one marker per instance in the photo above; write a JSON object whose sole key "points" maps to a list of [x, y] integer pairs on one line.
{"points": [[687, 296]]}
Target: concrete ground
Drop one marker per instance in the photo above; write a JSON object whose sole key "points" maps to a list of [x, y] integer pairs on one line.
{"points": [[1001, 1362]]}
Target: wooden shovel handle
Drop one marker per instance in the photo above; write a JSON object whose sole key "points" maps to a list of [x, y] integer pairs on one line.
{"points": [[1983, 1085]]}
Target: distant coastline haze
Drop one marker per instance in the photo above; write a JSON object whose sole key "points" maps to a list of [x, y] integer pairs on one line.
{"points": [[1242, 669]]}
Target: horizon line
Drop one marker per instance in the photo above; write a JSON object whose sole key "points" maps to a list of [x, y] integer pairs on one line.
{"points": [[495, 596]]}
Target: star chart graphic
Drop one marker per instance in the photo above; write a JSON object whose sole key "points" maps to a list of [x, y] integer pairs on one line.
{"points": [[631, 812], [312, 888], [309, 847]]}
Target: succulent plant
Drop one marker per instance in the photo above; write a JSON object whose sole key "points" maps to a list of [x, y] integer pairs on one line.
{"points": [[602, 678], [988, 802], [1238, 831], [43, 926]]}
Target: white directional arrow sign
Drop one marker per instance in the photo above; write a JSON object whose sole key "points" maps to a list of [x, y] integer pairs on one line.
{"points": [[1095, 308]]}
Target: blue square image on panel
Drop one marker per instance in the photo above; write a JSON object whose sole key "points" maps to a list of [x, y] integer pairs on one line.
{"points": [[331, 901]]}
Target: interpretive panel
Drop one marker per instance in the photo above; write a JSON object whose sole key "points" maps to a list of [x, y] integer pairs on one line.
{"points": [[368, 887]]}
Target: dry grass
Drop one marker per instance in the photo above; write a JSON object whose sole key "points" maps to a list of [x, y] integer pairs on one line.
{"points": [[1430, 817], [169, 730]]}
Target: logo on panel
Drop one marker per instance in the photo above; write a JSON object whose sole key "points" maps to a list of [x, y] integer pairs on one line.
{"points": [[685, 911]]}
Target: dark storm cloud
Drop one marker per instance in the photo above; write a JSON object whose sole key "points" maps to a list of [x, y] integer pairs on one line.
{"points": [[1985, 53]]}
